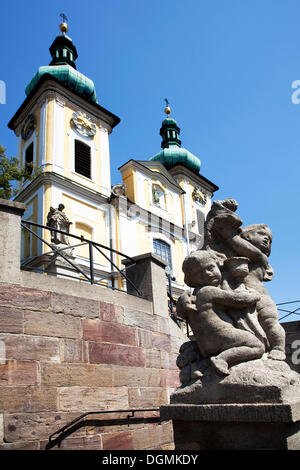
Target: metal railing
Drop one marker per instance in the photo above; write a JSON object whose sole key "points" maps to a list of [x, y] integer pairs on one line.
{"points": [[70, 427], [289, 312], [29, 263]]}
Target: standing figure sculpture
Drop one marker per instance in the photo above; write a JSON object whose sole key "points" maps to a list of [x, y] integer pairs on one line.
{"points": [[58, 220]]}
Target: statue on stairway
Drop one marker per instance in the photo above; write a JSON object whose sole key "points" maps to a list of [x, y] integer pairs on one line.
{"points": [[233, 319]]}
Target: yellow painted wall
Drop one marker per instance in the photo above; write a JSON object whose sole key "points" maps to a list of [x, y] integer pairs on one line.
{"points": [[91, 228], [144, 241], [178, 257], [30, 241], [129, 180], [47, 204]]}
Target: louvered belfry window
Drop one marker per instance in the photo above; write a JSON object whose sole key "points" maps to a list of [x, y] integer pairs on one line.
{"points": [[29, 159], [82, 159]]}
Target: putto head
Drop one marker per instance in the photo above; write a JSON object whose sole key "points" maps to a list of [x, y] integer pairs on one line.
{"points": [[259, 235], [202, 268]]}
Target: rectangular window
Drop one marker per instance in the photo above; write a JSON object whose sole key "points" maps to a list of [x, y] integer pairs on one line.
{"points": [[82, 159], [162, 250]]}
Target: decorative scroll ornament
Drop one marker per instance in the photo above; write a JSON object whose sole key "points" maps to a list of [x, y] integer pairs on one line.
{"points": [[119, 190], [199, 196], [83, 124], [28, 127]]}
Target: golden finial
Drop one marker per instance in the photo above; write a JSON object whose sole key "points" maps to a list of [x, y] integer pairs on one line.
{"points": [[167, 108], [63, 26]]}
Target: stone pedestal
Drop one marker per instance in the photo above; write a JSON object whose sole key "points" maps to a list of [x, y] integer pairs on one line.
{"points": [[60, 266], [148, 275], [235, 426], [10, 240], [256, 406]]}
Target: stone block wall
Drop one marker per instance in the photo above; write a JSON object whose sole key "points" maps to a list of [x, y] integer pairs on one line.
{"points": [[68, 347], [69, 354]]}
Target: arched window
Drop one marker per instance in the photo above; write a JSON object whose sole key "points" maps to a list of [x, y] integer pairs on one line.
{"points": [[82, 159], [163, 250], [85, 231], [158, 196]]}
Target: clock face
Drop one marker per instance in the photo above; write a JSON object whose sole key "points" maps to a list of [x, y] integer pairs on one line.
{"points": [[199, 196], [83, 124], [28, 127]]}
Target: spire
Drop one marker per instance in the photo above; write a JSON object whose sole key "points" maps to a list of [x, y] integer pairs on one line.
{"points": [[172, 153], [169, 130], [62, 49]]}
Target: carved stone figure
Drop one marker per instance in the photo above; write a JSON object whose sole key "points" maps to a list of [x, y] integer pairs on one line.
{"points": [[206, 311], [236, 333], [58, 220], [119, 189], [155, 195]]}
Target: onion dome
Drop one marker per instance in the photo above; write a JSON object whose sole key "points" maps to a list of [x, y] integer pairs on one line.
{"points": [[172, 153], [63, 68]]}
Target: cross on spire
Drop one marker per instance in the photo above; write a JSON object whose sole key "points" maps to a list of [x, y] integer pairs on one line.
{"points": [[63, 17], [167, 102]]}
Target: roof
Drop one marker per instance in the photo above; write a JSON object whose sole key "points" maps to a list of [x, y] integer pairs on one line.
{"points": [[68, 76], [114, 120]]}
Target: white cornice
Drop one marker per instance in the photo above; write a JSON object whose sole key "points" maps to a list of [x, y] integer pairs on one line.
{"points": [[179, 171], [161, 175], [63, 183], [63, 96]]}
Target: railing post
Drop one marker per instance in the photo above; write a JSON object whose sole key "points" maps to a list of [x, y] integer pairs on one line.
{"points": [[148, 275], [10, 240], [91, 262]]}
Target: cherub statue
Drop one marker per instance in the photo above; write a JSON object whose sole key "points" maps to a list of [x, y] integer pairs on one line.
{"points": [[206, 311], [224, 234]]}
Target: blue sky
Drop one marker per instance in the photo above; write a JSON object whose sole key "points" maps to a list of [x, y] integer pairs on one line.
{"points": [[227, 68]]}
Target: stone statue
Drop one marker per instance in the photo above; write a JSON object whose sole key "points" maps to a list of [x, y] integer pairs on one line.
{"points": [[206, 311], [58, 220], [119, 189], [155, 195], [237, 339], [224, 234]]}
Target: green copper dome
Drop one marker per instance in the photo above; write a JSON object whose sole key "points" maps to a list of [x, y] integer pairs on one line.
{"points": [[69, 77], [63, 68], [172, 153]]}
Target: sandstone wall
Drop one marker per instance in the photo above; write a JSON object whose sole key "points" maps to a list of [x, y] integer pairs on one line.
{"points": [[68, 354]]}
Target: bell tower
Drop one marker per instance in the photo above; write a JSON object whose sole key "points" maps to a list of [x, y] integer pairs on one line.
{"points": [[63, 130]]}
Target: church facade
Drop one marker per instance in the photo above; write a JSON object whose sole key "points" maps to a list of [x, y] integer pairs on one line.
{"points": [[159, 206]]}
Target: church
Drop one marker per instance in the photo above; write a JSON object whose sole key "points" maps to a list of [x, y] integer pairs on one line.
{"points": [[158, 207]]}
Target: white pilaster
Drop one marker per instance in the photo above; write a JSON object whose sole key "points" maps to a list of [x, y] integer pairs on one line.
{"points": [[105, 162], [58, 136], [43, 123]]}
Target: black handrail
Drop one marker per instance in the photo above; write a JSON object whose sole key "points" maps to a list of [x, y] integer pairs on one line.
{"points": [[62, 431], [91, 244]]}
